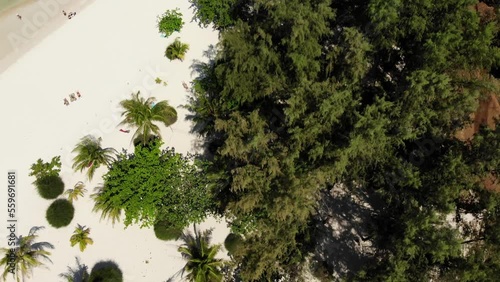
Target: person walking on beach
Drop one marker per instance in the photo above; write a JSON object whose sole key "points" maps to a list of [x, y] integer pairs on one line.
{"points": [[78, 94], [66, 102], [64, 13], [19, 16]]}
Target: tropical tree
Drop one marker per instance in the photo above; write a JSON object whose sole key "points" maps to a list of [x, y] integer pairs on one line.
{"points": [[90, 155], [142, 113], [153, 185], [310, 95], [104, 205], [81, 237], [78, 274], [78, 191], [176, 50], [201, 266], [27, 255]]}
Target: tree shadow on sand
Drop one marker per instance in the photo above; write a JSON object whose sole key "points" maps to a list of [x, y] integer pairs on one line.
{"points": [[106, 271], [341, 232], [76, 274]]}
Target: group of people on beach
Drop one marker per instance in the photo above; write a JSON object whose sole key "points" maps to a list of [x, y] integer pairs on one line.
{"points": [[72, 97], [70, 15]]}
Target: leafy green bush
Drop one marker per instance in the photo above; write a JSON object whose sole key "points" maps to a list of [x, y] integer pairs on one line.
{"points": [[170, 21], [50, 186], [106, 271], [232, 243], [165, 231], [176, 50], [41, 169], [152, 185], [60, 213]]}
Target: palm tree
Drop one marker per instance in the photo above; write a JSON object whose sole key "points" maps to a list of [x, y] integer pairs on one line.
{"points": [[78, 274], [90, 155], [141, 113], [107, 209], [81, 237], [76, 192], [201, 266], [176, 50], [25, 256]]}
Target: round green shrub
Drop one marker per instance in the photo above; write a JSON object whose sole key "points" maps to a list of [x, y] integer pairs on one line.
{"points": [[60, 213], [50, 187], [233, 243], [106, 271], [170, 22], [164, 231]]}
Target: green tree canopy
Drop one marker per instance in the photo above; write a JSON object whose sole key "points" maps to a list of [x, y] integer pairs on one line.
{"points": [[26, 255], [143, 113], [153, 185], [304, 95]]}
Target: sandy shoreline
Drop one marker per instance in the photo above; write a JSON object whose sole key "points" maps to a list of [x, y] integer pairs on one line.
{"points": [[106, 56], [39, 19]]}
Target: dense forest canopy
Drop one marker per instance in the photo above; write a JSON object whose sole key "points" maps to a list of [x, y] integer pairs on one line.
{"points": [[303, 96]]}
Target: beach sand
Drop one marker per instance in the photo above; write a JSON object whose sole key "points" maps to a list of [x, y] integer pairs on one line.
{"points": [[39, 19], [107, 51]]}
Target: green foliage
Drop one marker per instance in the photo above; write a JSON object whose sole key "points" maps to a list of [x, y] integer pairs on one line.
{"points": [[170, 22], [201, 263], [165, 231], [90, 155], [41, 169], [60, 213], [176, 50], [105, 206], [49, 186], [81, 237], [305, 95], [26, 255], [232, 243], [216, 12], [78, 191], [106, 271], [142, 113], [153, 185]]}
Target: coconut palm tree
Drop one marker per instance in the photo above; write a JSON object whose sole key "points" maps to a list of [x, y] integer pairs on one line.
{"points": [[81, 237], [27, 255], [90, 155], [201, 266], [176, 50], [78, 274], [142, 113], [103, 205], [78, 191]]}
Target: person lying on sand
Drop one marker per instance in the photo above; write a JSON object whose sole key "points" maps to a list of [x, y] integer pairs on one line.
{"points": [[184, 84], [66, 101], [78, 94], [64, 13], [72, 97], [124, 131]]}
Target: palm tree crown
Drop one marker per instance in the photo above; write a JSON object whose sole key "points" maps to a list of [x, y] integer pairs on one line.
{"points": [[176, 50], [81, 237], [78, 191], [107, 209], [201, 266], [142, 113], [27, 255], [90, 155]]}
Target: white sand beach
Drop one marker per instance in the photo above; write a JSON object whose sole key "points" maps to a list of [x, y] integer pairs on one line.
{"points": [[108, 50]]}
